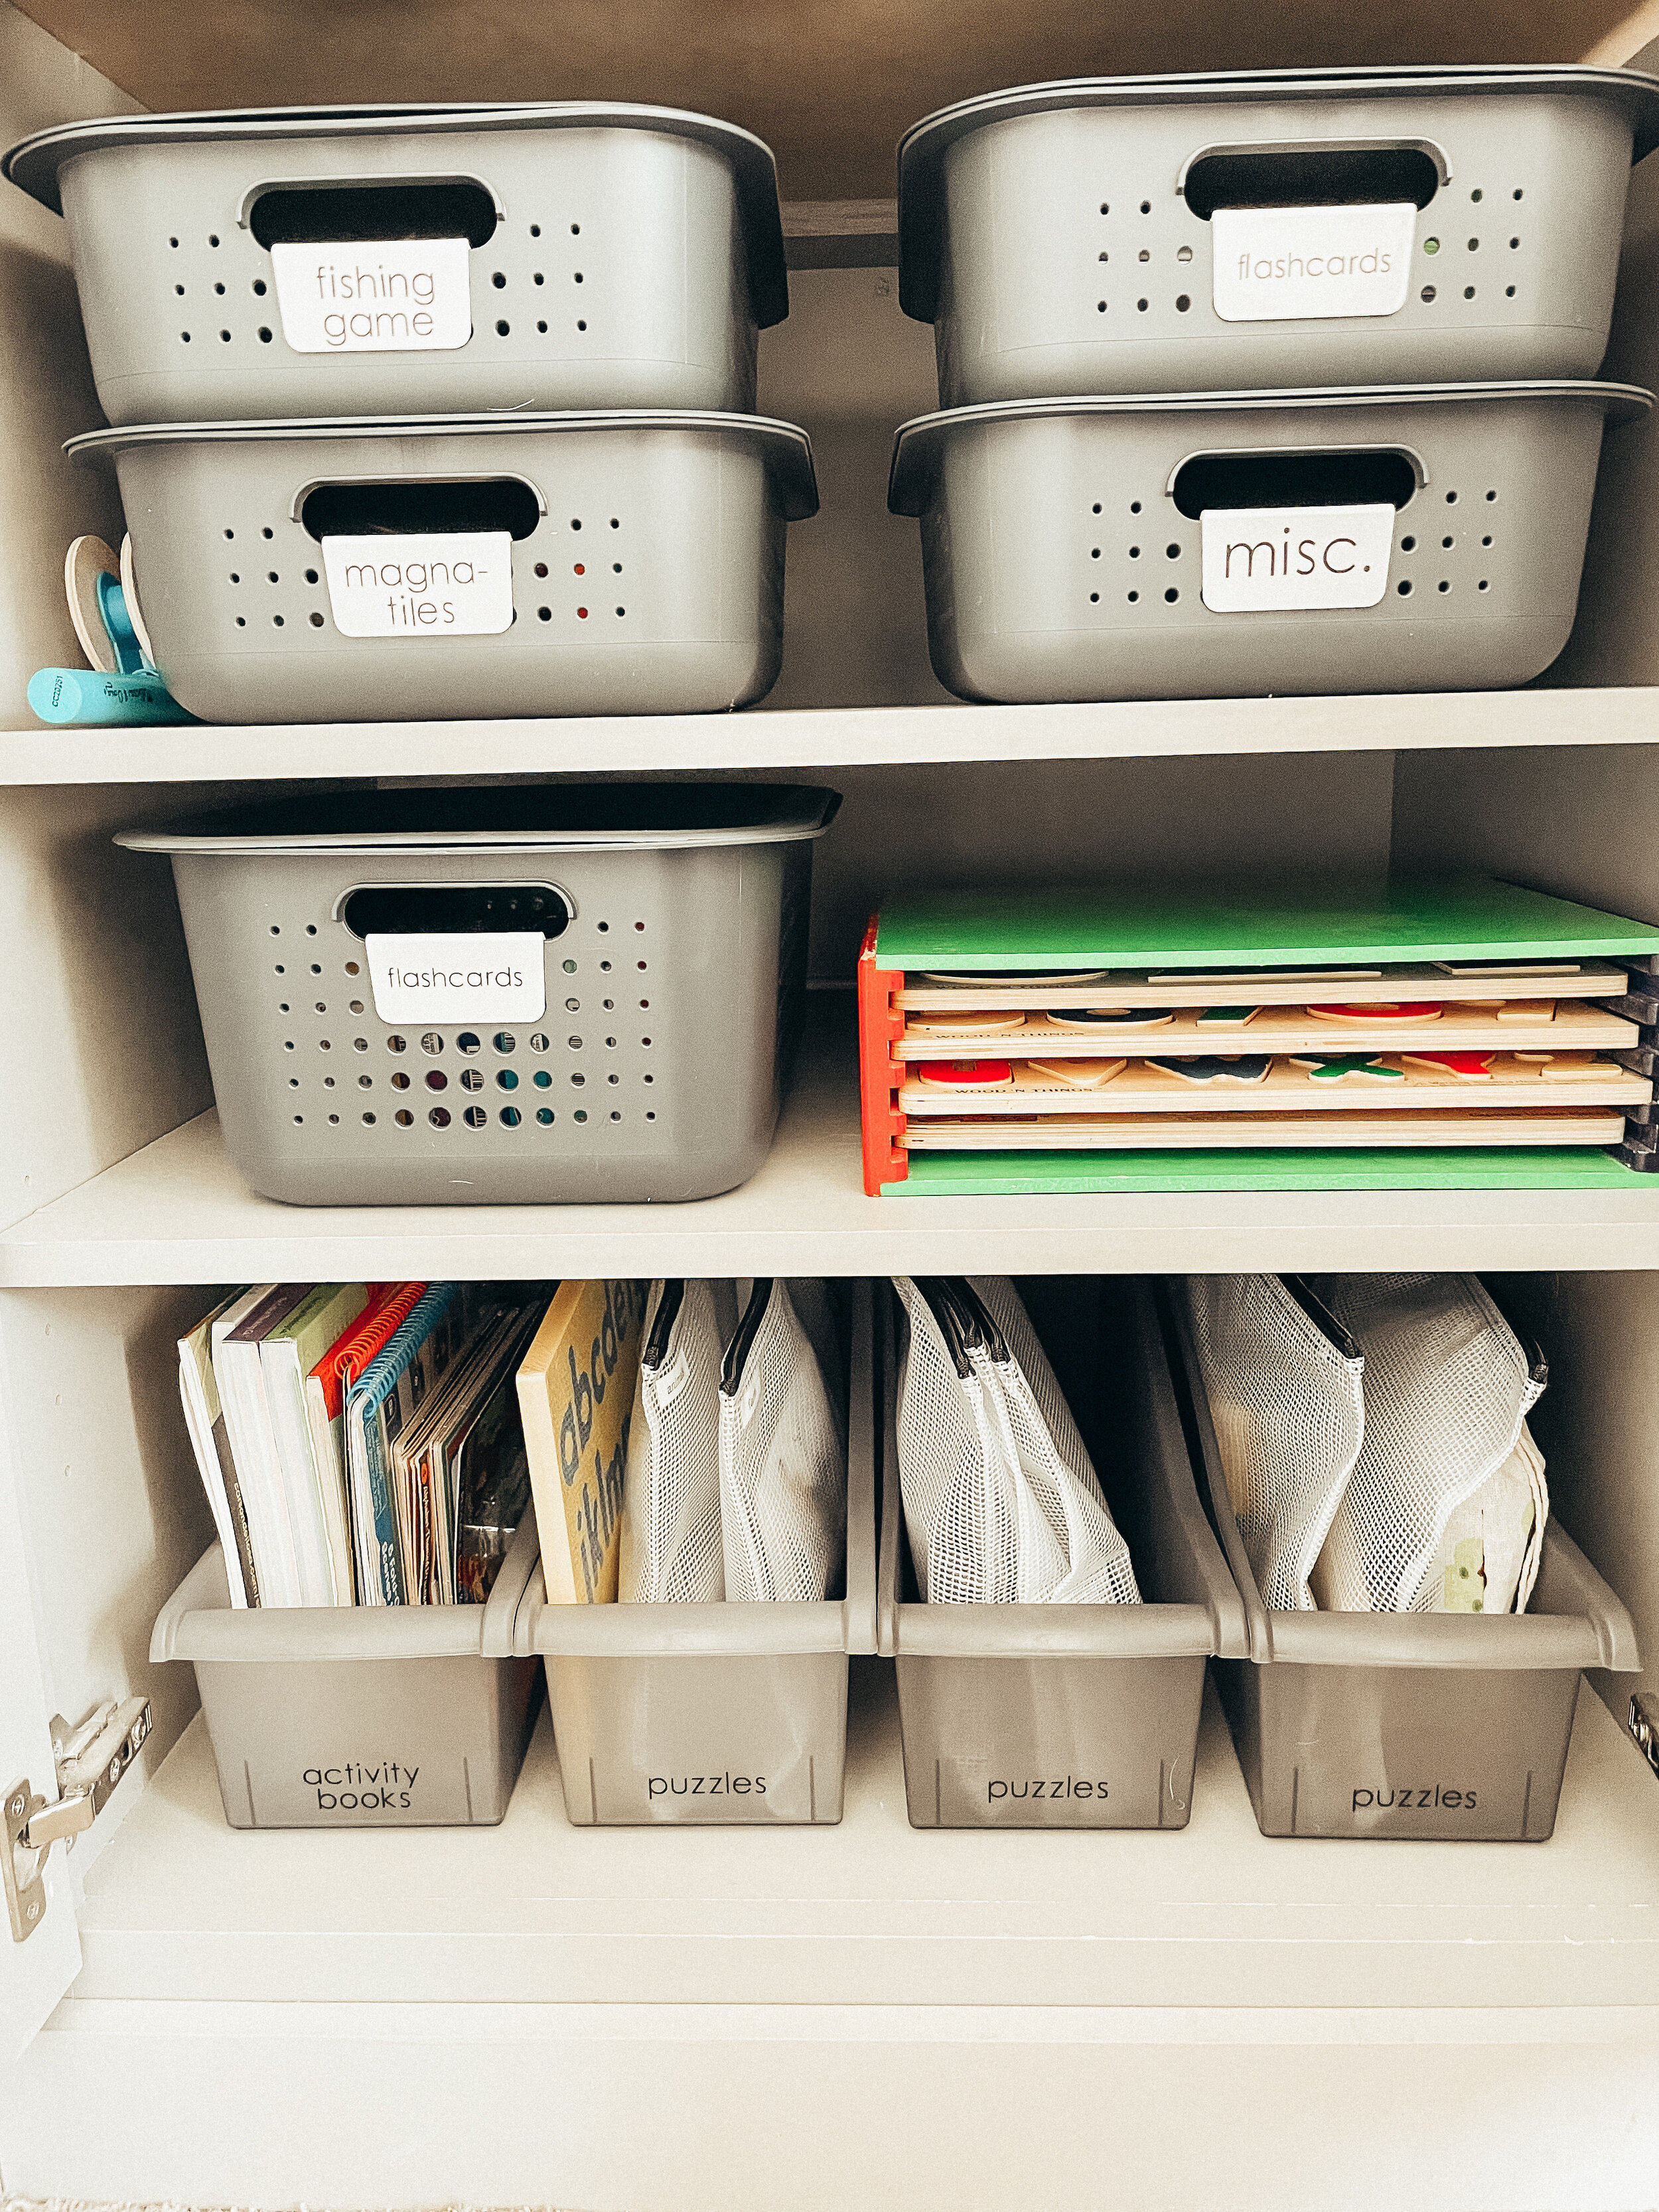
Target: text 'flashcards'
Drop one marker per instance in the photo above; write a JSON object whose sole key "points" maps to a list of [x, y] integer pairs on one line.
{"points": [[387, 295], [493, 976], [435, 584], [1295, 265], [1257, 558]]}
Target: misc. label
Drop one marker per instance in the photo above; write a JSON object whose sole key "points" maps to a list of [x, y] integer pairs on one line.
{"points": [[485, 976], [704, 1785], [1260, 557], [439, 583], [356, 1786], [1426, 1798], [386, 296], [1295, 265]]}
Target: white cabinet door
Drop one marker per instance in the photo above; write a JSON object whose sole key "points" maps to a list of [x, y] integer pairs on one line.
{"points": [[35, 1973]]}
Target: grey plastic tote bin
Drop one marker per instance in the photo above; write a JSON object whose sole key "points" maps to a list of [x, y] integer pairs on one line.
{"points": [[414, 260], [1156, 234], [380, 570], [1067, 556], [1068, 1715], [1442, 1727], [716, 1715], [354, 1717], [670, 921]]}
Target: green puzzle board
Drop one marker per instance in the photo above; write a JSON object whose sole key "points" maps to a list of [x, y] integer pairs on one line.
{"points": [[1038, 1175], [1292, 924]]}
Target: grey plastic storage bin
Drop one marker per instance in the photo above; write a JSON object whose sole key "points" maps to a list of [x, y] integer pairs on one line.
{"points": [[577, 254], [1066, 555], [354, 1717], [1062, 238], [659, 931], [716, 1715], [1443, 1727], [613, 564], [1068, 1715]]}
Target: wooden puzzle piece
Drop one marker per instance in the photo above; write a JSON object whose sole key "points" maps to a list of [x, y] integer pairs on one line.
{"points": [[1464, 1584], [1243, 1067], [1122, 1018], [966, 1074], [967, 1025], [1227, 1017], [1397, 1010], [1564, 1067], [1078, 1074], [1322, 1069], [1466, 1066]]}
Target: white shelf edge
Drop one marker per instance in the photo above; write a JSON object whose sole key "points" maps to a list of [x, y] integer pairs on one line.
{"points": [[828, 736], [176, 1212]]}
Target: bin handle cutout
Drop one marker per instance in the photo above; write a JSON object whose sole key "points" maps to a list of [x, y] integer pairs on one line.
{"points": [[1318, 173], [373, 507], [1301, 475], [356, 210], [454, 909]]}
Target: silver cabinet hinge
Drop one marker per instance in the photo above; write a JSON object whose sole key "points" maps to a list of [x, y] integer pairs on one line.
{"points": [[1643, 1725], [90, 1760]]}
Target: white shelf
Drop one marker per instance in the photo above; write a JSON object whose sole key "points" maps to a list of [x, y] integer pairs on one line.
{"points": [[831, 737], [178, 1905], [177, 1213]]}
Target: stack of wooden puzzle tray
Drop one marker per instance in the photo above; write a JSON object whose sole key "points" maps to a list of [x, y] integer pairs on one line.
{"points": [[1430, 1034]]}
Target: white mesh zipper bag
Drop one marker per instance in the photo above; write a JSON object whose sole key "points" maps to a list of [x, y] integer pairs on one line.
{"points": [[1286, 1402], [1001, 1500], [670, 1528], [782, 1460], [1447, 1387]]}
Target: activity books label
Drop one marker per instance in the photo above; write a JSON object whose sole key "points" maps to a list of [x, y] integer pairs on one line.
{"points": [[437, 583], [386, 296], [1260, 557], [1286, 265], [487, 976]]}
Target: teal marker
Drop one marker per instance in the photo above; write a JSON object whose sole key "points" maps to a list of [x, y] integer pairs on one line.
{"points": [[86, 697]]}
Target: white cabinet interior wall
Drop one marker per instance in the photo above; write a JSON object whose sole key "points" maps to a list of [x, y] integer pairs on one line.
{"points": [[617, 2019]]}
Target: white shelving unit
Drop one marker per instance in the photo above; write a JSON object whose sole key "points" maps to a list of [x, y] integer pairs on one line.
{"points": [[740, 2019]]}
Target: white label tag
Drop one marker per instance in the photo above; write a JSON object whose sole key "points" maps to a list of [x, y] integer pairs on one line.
{"points": [[1256, 557], [1287, 265], [482, 976], [437, 583], [387, 295]]}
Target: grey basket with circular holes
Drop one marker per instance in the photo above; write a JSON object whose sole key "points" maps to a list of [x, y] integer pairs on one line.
{"points": [[619, 256], [646, 560], [1062, 540], [673, 919], [1059, 236]]}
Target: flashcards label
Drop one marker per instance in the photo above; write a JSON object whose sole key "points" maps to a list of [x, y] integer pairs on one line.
{"points": [[388, 296], [440, 583], [1259, 557], [481, 976], [1293, 264]]}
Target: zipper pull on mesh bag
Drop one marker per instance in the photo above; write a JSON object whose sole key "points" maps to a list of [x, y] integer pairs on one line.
{"points": [[782, 1460], [670, 1530], [1447, 1387], [1001, 1499], [1283, 1380]]}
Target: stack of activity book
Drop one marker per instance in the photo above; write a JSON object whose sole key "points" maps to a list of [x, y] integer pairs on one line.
{"points": [[364, 1444]]}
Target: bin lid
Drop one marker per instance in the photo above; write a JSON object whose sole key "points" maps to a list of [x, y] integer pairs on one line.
{"points": [[33, 162], [917, 444], [922, 148], [508, 818], [785, 449]]}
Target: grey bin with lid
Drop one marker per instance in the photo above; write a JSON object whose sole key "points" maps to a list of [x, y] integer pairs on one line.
{"points": [[1063, 540], [1441, 1727], [718, 1715], [1069, 1716], [1060, 237], [346, 1717], [645, 553], [673, 920], [615, 256]]}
